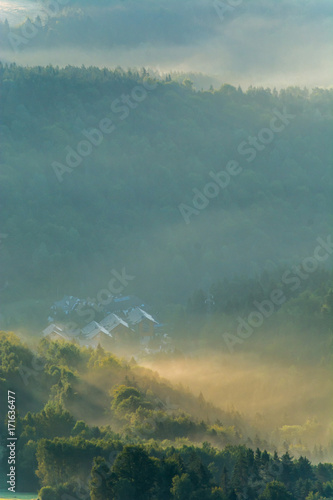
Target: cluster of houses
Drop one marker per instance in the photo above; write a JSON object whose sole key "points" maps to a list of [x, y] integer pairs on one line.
{"points": [[122, 321]]}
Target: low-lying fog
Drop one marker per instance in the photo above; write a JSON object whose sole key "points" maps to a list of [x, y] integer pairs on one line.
{"points": [[272, 394]]}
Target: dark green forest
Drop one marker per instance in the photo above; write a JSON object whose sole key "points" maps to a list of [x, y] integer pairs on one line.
{"points": [[93, 424], [122, 206], [215, 203], [166, 286]]}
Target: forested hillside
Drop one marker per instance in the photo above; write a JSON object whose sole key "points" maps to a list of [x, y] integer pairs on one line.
{"points": [[134, 197], [166, 284], [92, 424]]}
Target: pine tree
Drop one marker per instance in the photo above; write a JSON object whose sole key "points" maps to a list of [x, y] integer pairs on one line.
{"points": [[225, 481]]}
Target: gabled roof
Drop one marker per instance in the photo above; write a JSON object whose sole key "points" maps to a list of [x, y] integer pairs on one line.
{"points": [[111, 321], [55, 329], [52, 328], [137, 315], [90, 331]]}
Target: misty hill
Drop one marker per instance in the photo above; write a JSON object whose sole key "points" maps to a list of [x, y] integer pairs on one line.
{"points": [[129, 200], [63, 390], [82, 411]]}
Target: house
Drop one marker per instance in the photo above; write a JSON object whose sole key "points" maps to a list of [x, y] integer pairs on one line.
{"points": [[94, 334], [54, 332], [143, 323], [116, 326]]}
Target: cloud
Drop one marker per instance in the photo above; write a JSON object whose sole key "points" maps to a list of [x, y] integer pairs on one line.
{"points": [[269, 44]]}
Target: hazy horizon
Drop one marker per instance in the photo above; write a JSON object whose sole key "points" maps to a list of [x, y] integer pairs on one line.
{"points": [[196, 37]]}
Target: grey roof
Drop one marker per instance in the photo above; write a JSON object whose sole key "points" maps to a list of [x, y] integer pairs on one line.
{"points": [[137, 315], [54, 329], [111, 321], [90, 331]]}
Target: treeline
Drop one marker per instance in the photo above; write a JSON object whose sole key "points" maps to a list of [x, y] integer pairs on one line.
{"points": [[186, 473], [76, 405], [120, 206]]}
